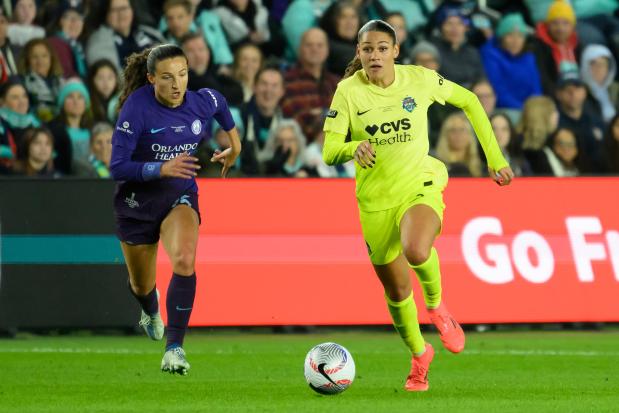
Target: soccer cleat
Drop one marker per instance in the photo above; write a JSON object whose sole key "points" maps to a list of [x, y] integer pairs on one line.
{"points": [[417, 379], [174, 361], [152, 324], [449, 330]]}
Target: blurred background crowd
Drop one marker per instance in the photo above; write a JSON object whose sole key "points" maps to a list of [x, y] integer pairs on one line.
{"points": [[545, 72]]}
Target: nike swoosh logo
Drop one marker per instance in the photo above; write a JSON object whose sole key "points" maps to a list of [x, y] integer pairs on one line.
{"points": [[359, 113], [156, 130], [182, 309]]}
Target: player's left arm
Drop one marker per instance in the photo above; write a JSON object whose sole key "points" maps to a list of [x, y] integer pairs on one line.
{"points": [[499, 169], [223, 116]]}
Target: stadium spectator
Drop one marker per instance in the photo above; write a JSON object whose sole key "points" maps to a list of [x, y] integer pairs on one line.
{"points": [[65, 41], [564, 156], [341, 23], [248, 60], [8, 51], [539, 120], [486, 95], [104, 86], [457, 147], [511, 70], [398, 22], [299, 17], [15, 116], [42, 75], [460, 62], [202, 72], [309, 85], [100, 150], [261, 115], [71, 128], [596, 20], [178, 16], [509, 144], [425, 54], [611, 147], [23, 29], [118, 34], [244, 21], [35, 155], [556, 47], [202, 19], [573, 114], [284, 152], [598, 69]]}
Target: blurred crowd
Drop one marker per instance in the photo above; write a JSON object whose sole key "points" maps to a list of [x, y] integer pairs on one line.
{"points": [[545, 72]]}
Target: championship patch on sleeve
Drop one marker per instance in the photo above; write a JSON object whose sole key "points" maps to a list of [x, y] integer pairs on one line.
{"points": [[332, 113]]}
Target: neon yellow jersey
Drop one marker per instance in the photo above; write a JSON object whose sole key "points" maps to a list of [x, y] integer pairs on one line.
{"points": [[394, 120]]}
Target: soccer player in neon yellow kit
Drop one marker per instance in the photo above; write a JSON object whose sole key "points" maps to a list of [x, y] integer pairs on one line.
{"points": [[378, 117]]}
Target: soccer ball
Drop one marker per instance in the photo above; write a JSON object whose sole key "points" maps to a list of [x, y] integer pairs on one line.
{"points": [[329, 368]]}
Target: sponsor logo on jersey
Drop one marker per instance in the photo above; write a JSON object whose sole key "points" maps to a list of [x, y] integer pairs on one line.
{"points": [[125, 128], [167, 152], [153, 130], [409, 104], [332, 113], [196, 127], [363, 112], [397, 127], [178, 129]]}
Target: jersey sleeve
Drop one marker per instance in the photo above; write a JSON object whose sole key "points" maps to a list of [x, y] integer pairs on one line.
{"points": [[440, 88], [468, 102], [221, 111], [128, 130], [337, 125]]}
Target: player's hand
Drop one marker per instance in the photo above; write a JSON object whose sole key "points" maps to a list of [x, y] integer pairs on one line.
{"points": [[183, 166], [226, 158], [503, 177], [365, 155]]}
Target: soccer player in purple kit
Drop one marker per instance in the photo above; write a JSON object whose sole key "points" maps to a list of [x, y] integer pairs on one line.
{"points": [[159, 128]]}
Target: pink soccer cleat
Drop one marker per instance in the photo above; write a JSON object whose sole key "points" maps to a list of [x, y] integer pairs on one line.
{"points": [[417, 379], [450, 331]]}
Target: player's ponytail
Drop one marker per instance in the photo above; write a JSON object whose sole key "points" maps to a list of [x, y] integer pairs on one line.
{"points": [[352, 67], [134, 75], [140, 64]]}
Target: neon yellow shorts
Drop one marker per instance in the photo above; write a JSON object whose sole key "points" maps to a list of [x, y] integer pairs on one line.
{"points": [[381, 229]]}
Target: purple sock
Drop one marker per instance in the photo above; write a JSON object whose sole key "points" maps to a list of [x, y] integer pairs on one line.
{"points": [[148, 302], [179, 302]]}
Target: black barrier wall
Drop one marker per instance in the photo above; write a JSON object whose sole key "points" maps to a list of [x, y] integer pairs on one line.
{"points": [[60, 263]]}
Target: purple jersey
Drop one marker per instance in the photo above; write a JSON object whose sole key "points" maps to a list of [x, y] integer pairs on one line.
{"points": [[149, 133]]}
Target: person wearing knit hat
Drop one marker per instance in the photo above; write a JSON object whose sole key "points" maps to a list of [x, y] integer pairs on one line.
{"points": [[71, 128], [425, 54], [556, 46], [73, 85], [511, 70]]}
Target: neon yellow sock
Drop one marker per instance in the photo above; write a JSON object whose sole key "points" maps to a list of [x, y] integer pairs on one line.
{"points": [[429, 275], [404, 316]]}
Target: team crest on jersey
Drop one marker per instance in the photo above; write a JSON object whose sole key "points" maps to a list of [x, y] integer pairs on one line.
{"points": [[196, 127], [408, 103]]}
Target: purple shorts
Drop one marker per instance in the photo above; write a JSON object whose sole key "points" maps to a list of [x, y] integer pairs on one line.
{"points": [[136, 231]]}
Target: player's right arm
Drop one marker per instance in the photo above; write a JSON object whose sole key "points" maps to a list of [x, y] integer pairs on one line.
{"points": [[337, 124]]}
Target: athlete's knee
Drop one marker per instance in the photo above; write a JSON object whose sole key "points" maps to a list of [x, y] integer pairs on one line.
{"points": [[397, 293], [183, 260], [416, 254], [141, 288]]}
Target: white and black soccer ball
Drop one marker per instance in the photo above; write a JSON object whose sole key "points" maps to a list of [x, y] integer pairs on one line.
{"points": [[329, 368]]}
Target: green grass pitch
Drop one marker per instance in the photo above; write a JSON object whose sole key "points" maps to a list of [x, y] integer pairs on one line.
{"points": [[241, 372]]}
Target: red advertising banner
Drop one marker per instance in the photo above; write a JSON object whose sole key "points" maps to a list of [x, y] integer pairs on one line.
{"points": [[290, 251]]}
